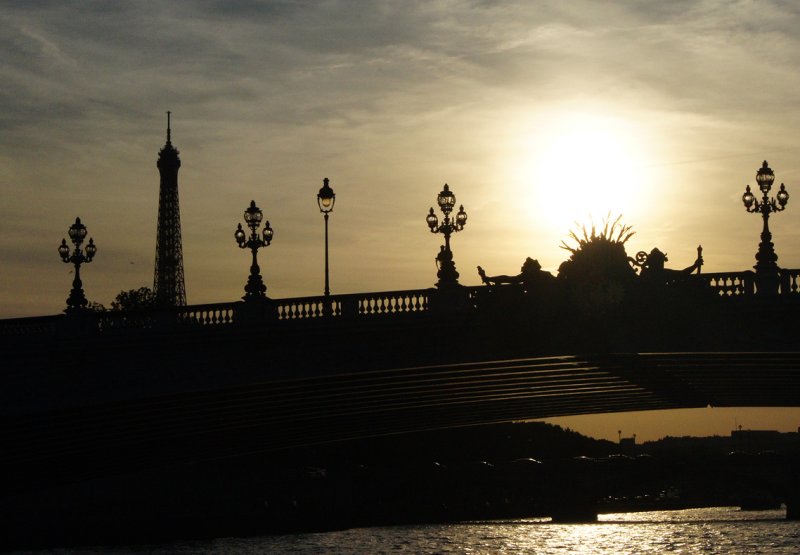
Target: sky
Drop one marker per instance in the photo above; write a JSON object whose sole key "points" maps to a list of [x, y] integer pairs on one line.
{"points": [[537, 114]]}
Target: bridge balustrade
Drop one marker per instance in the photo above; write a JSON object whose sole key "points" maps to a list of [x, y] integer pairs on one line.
{"points": [[34, 325], [207, 314], [788, 282], [354, 305], [743, 284], [393, 302], [729, 284], [302, 308]]}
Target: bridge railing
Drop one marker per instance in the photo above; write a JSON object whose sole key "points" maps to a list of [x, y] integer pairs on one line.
{"points": [[193, 315], [744, 284], [788, 283], [729, 284], [42, 326], [354, 305], [346, 307]]}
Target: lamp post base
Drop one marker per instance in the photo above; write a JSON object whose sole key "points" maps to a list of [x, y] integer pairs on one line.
{"points": [[447, 274]]}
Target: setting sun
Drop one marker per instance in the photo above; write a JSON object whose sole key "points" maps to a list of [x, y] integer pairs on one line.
{"points": [[586, 166]]}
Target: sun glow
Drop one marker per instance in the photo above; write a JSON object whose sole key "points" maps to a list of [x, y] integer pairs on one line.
{"points": [[582, 167]]}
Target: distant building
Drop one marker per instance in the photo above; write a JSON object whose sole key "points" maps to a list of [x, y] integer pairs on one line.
{"points": [[757, 440], [627, 445]]}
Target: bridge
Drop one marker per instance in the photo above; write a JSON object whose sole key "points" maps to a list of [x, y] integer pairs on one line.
{"points": [[93, 401], [87, 392]]}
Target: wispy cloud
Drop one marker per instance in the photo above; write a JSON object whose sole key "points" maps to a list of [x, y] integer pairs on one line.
{"points": [[389, 99]]}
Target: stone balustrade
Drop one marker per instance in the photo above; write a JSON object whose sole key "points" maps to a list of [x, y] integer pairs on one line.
{"points": [[349, 307]]}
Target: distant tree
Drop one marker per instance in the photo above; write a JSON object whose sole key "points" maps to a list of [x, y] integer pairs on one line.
{"points": [[94, 306], [134, 299]]}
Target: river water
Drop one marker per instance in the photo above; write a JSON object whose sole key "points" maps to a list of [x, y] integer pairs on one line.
{"points": [[719, 530]]}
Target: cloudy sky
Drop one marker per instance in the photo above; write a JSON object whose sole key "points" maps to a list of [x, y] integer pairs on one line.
{"points": [[538, 114]]}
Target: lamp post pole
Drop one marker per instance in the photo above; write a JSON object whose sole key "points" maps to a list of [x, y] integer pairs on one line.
{"points": [[255, 290], [767, 278], [447, 274], [326, 198], [77, 233]]}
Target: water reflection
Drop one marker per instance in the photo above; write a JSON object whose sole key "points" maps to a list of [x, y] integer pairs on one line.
{"points": [[721, 530]]}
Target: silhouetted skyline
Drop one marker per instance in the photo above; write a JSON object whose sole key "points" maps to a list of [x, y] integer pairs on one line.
{"points": [[535, 116]]}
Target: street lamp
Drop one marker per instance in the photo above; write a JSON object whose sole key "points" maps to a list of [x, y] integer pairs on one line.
{"points": [[447, 274], [77, 233], [255, 288], [766, 266], [325, 200]]}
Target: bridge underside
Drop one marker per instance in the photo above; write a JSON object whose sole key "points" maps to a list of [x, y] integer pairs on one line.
{"points": [[81, 404], [74, 443]]}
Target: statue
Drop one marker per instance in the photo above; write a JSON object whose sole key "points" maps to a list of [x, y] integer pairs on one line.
{"points": [[530, 275], [651, 267]]}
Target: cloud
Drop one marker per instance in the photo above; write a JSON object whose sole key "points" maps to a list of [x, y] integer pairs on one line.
{"points": [[390, 101]]}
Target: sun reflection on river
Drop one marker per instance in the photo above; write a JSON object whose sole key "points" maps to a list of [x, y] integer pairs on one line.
{"points": [[711, 531]]}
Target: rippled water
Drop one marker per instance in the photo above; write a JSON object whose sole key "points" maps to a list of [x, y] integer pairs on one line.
{"points": [[720, 530]]}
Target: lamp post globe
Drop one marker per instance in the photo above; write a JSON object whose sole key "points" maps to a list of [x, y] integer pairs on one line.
{"points": [[446, 200], [326, 197]]}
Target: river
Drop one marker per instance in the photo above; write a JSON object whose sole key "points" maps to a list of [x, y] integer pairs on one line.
{"points": [[718, 530]]}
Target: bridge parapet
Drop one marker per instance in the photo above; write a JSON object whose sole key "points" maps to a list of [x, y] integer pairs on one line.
{"points": [[354, 305], [729, 284], [303, 308], [394, 302], [43, 326], [743, 284], [788, 283], [350, 307]]}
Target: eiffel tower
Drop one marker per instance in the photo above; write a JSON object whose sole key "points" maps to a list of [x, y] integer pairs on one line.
{"points": [[168, 283]]}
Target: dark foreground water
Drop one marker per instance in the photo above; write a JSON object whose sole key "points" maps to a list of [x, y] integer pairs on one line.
{"points": [[719, 530]]}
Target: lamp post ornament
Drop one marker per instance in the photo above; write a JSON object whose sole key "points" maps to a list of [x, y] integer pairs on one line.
{"points": [[255, 289], [77, 233], [447, 274], [766, 267]]}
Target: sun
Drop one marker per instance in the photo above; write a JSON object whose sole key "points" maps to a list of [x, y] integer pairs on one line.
{"points": [[581, 167]]}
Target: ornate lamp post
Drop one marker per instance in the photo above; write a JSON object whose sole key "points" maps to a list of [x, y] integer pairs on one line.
{"points": [[447, 274], [766, 266], [325, 200], [255, 289], [77, 233]]}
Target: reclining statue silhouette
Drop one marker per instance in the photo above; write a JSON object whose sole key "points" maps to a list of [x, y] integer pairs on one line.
{"points": [[652, 267], [531, 274]]}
